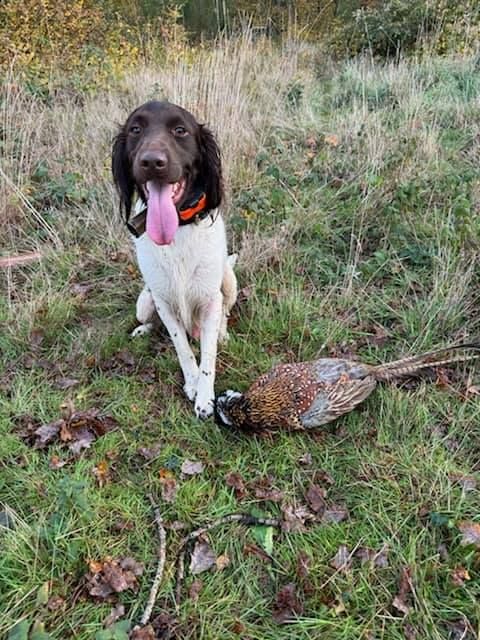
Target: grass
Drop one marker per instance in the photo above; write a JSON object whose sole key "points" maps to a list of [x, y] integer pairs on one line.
{"points": [[353, 202]]}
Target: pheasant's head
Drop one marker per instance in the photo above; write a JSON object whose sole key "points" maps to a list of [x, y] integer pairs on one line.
{"points": [[232, 410]]}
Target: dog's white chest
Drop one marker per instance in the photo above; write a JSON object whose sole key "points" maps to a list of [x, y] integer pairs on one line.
{"points": [[187, 273]]}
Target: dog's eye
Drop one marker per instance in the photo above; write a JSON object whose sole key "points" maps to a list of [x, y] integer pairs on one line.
{"points": [[135, 130], [180, 132]]}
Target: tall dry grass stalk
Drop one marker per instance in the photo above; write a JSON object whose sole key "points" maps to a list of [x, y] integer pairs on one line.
{"points": [[236, 88]]}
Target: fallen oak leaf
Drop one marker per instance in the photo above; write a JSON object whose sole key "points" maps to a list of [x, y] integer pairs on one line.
{"points": [[149, 453], [468, 483], [303, 564], [102, 473], [195, 588], [294, 518], [470, 532], [203, 557], [115, 614], [191, 468], [168, 485], [46, 434], [236, 482], [143, 633], [342, 560], [459, 575], [315, 497], [334, 514], [55, 603], [263, 489], [108, 577], [222, 562], [287, 605], [255, 550], [405, 588], [376, 558], [57, 463]]}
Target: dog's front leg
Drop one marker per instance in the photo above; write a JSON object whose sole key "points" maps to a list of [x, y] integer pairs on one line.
{"points": [[210, 320], [179, 338]]}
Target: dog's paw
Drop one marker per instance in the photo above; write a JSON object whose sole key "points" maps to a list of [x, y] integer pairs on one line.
{"points": [[142, 330], [204, 410]]}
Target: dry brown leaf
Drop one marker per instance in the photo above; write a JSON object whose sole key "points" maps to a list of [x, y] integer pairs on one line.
{"points": [[459, 575], [195, 588], [149, 453], [115, 614], [236, 482], [238, 628], [335, 513], [342, 560], [110, 576], [143, 633], [222, 562], [102, 473], [287, 605], [255, 550], [315, 497], [377, 558], [57, 463], [294, 518], [203, 557], [303, 564], [66, 383], [55, 603], [168, 485], [191, 468], [305, 459], [78, 429], [263, 489], [470, 532], [405, 588], [468, 483]]}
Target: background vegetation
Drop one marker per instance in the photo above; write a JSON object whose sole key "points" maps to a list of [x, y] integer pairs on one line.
{"points": [[350, 147]]}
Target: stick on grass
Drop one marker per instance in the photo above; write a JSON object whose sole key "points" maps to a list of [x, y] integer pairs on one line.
{"points": [[161, 564]]}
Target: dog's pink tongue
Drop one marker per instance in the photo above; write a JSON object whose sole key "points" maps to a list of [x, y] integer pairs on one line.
{"points": [[162, 218]]}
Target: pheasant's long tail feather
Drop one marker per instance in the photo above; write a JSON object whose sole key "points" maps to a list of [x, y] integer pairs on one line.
{"points": [[436, 358]]}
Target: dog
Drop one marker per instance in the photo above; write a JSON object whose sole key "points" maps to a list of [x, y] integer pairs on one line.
{"points": [[172, 164]]}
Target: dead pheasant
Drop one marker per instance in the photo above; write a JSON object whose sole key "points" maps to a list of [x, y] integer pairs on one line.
{"points": [[308, 394]]}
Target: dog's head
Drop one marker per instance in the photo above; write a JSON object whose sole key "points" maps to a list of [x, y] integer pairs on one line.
{"points": [[164, 154]]}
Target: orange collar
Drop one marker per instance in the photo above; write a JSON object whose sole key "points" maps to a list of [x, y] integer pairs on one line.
{"points": [[197, 207], [186, 215]]}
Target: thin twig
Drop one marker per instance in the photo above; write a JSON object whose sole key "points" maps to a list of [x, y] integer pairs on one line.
{"points": [[242, 518], [161, 563], [179, 577]]}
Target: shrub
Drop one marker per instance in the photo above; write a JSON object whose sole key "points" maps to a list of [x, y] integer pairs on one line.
{"points": [[388, 28]]}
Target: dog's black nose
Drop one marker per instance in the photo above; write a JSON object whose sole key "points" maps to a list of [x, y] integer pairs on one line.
{"points": [[155, 161]]}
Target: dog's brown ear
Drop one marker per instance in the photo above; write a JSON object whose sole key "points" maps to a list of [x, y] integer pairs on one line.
{"points": [[210, 168], [122, 175]]}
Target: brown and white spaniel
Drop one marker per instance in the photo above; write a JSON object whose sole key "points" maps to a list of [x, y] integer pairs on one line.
{"points": [[163, 156]]}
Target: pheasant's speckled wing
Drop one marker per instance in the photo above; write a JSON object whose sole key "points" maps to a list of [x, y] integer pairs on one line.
{"points": [[334, 400]]}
